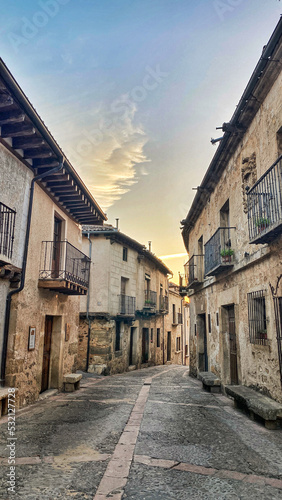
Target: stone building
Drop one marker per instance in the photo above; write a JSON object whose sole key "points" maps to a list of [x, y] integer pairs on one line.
{"points": [[122, 320], [176, 328], [233, 235], [43, 204]]}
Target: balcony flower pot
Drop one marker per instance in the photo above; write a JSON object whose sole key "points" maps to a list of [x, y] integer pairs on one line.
{"points": [[226, 255], [262, 223]]}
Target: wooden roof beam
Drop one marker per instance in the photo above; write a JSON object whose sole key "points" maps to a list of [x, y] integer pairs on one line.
{"points": [[6, 100], [17, 130], [28, 142], [14, 116], [38, 153]]}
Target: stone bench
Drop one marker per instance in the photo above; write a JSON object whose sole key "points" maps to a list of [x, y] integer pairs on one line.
{"points": [[256, 404], [210, 381], [72, 382]]}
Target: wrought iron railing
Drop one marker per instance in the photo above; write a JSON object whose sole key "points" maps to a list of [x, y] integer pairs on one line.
{"points": [[163, 303], [218, 250], [7, 230], [179, 318], [150, 298], [127, 305], [62, 261], [265, 203], [194, 270], [257, 317]]}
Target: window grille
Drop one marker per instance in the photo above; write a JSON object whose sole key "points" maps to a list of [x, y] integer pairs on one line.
{"points": [[257, 317], [158, 337], [177, 343]]}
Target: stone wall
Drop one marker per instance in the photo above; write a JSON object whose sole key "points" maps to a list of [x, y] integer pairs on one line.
{"points": [[254, 265], [31, 306]]}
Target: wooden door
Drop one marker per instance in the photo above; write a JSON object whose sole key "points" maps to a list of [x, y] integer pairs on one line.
{"points": [[233, 346], [131, 346], [168, 346], [145, 345], [46, 353]]}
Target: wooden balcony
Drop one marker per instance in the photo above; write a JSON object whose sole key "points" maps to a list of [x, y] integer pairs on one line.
{"points": [[64, 268]]}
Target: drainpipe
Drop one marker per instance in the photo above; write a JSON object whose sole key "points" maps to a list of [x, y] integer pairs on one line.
{"points": [[163, 339], [22, 283], [87, 307]]}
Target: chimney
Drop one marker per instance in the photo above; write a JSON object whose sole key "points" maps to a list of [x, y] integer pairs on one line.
{"points": [[150, 246], [117, 221]]}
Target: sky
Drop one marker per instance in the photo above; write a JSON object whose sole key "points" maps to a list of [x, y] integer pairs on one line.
{"points": [[133, 90]]}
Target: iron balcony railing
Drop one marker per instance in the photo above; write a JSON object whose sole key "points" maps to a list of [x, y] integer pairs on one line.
{"points": [[265, 205], [219, 253], [179, 318], [127, 305], [163, 303], [194, 270], [62, 261], [150, 298], [7, 230]]}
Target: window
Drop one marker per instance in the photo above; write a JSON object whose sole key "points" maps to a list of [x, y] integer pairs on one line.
{"points": [[158, 337], [124, 254], [195, 330], [217, 319], [257, 317], [173, 314], [178, 344], [117, 343], [209, 322], [279, 141], [7, 228], [152, 334]]}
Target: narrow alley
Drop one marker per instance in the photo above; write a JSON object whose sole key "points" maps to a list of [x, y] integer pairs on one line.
{"points": [[150, 434]]}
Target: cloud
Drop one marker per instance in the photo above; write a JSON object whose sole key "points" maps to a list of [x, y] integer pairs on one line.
{"points": [[109, 151], [173, 256]]}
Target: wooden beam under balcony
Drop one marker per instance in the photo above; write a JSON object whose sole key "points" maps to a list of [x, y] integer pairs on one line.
{"points": [[17, 130], [27, 142], [63, 286], [14, 116], [6, 100]]}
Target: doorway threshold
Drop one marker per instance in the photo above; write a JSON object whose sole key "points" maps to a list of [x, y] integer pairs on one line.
{"points": [[47, 394]]}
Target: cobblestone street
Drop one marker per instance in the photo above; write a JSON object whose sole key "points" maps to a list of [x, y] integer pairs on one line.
{"points": [[149, 434]]}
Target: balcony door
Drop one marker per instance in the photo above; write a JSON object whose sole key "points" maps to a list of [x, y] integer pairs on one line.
{"points": [[56, 254]]}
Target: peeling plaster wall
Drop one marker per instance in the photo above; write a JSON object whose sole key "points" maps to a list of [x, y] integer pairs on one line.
{"points": [[15, 180], [30, 307]]}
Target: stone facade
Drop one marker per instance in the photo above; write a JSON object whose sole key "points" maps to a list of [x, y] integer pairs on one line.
{"points": [[31, 306], [127, 305], [40, 282], [233, 324], [15, 181], [176, 328]]}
